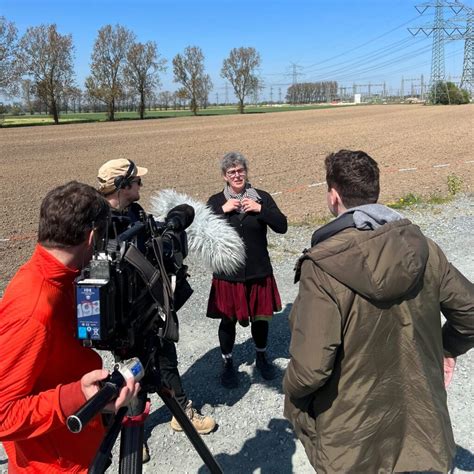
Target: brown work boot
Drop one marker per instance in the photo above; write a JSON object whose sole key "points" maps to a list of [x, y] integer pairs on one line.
{"points": [[203, 424], [146, 454]]}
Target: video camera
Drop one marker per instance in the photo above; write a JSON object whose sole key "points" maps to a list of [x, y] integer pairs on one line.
{"points": [[126, 300], [129, 293]]}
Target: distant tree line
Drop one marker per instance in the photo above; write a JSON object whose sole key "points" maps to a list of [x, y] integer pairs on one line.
{"points": [[124, 73], [312, 92]]}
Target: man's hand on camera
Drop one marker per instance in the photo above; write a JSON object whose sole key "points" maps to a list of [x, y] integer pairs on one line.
{"points": [[90, 385]]}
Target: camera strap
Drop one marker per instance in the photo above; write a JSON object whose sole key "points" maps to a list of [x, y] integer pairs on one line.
{"points": [[153, 277], [158, 285], [171, 329]]}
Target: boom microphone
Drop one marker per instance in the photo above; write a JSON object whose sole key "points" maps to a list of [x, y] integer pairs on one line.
{"points": [[210, 238], [180, 217]]}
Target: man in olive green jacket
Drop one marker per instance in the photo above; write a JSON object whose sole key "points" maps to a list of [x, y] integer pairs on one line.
{"points": [[365, 386]]}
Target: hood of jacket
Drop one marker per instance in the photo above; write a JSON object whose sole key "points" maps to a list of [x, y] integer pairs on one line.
{"points": [[382, 265]]}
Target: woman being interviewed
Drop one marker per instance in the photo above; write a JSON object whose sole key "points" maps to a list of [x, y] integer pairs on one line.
{"points": [[250, 295]]}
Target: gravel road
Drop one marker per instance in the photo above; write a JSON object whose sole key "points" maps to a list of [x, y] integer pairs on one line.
{"points": [[252, 435]]}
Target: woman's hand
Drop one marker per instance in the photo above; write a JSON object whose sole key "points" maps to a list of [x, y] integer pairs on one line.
{"points": [[231, 205], [249, 205]]}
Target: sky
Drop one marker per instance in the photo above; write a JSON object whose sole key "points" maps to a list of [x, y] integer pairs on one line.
{"points": [[353, 42]]}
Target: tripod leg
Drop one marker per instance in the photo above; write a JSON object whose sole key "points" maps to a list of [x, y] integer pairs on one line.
{"points": [[131, 449], [102, 459], [189, 429], [131, 439]]}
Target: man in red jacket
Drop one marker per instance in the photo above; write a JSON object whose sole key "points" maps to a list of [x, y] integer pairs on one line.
{"points": [[45, 373]]}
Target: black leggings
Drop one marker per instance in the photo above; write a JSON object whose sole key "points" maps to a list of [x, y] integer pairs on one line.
{"points": [[227, 334]]}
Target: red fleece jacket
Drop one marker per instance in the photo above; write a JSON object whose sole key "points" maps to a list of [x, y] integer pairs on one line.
{"points": [[41, 364]]}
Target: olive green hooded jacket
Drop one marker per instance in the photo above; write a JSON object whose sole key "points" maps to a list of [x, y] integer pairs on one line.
{"points": [[364, 386]]}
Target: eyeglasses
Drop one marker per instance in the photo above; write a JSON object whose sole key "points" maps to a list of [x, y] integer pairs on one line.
{"points": [[232, 173], [137, 180]]}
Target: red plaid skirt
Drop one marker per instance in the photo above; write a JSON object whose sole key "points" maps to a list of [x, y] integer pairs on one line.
{"points": [[245, 301]]}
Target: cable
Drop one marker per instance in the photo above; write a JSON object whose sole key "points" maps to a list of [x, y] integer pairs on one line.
{"points": [[364, 44]]}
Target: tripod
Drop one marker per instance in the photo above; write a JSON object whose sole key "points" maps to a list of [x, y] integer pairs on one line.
{"points": [[130, 423]]}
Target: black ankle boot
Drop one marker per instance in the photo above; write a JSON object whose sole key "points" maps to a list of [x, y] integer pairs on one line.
{"points": [[229, 378], [267, 369]]}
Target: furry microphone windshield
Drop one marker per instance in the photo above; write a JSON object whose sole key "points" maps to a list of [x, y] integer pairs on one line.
{"points": [[210, 238]]}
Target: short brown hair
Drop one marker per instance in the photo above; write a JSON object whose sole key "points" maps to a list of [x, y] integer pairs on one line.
{"points": [[69, 212], [354, 175]]}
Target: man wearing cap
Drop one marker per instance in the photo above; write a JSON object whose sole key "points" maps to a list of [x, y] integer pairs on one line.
{"points": [[119, 182]]}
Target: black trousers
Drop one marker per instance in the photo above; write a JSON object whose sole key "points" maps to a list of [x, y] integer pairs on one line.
{"points": [[227, 332], [167, 362]]}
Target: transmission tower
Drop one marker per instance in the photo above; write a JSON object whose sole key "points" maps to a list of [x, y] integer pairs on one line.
{"points": [[437, 58], [444, 30], [271, 94], [279, 95], [463, 29], [467, 34], [295, 72], [438, 30], [226, 94], [467, 80]]}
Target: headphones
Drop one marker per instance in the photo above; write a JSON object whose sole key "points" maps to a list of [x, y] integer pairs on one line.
{"points": [[121, 182]]}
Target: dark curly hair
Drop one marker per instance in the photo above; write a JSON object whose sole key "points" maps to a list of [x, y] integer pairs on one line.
{"points": [[354, 175]]}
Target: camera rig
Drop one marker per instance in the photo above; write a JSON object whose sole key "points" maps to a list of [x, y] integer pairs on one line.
{"points": [[136, 281], [126, 300]]}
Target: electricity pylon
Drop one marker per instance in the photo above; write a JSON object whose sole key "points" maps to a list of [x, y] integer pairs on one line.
{"points": [[447, 30]]}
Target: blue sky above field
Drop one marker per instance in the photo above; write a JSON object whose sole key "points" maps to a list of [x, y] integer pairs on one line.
{"points": [[362, 42]]}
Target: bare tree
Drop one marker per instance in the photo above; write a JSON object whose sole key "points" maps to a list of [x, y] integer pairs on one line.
{"points": [[108, 60], [141, 70], [206, 87], [27, 94], [164, 99], [90, 103], [76, 98], [180, 98], [71, 99], [8, 47], [239, 69], [188, 70], [47, 57]]}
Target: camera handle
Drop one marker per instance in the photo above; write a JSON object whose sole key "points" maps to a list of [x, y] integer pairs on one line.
{"points": [[94, 405], [110, 390]]}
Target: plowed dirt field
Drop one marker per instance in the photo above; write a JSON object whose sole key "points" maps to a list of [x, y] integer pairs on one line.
{"points": [[416, 147]]}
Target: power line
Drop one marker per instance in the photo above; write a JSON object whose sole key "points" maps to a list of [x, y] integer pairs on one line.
{"points": [[361, 68], [363, 44]]}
